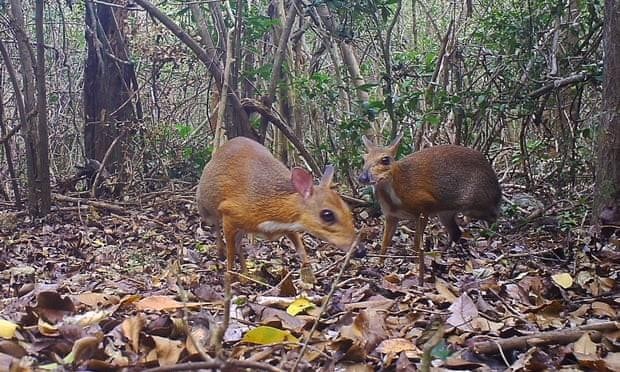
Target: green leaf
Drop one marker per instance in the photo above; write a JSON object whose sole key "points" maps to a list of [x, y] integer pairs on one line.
{"points": [[441, 350], [183, 130]]}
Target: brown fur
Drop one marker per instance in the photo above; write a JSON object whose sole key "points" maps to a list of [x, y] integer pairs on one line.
{"points": [[441, 180], [244, 185]]}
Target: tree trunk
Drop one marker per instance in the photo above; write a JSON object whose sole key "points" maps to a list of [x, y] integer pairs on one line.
{"points": [[111, 104], [8, 150], [37, 161], [607, 188]]}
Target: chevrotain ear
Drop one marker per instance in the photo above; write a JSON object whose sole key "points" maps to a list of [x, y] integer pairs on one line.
{"points": [[396, 143], [368, 143], [328, 175], [302, 180]]}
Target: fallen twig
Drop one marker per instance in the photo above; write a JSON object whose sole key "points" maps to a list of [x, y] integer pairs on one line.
{"points": [[99, 204], [347, 258], [230, 364], [562, 336]]}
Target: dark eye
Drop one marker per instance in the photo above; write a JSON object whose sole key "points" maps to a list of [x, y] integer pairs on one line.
{"points": [[328, 216], [386, 160]]}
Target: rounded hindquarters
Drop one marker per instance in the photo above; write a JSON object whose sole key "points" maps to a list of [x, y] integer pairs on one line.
{"points": [[206, 196]]}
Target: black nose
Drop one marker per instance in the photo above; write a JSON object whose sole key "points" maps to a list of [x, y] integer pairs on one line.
{"points": [[364, 177]]}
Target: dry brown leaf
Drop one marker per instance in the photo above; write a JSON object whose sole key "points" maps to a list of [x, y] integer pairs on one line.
{"points": [[359, 367], [603, 309], [397, 345], [287, 288], [585, 346], [7, 362], [613, 361], [403, 364], [463, 311], [97, 300], [201, 336], [382, 304], [279, 318], [515, 292], [458, 363], [131, 329], [158, 303], [163, 303], [85, 347], [367, 330], [549, 314], [481, 324], [13, 349], [444, 290], [168, 351], [581, 311]]}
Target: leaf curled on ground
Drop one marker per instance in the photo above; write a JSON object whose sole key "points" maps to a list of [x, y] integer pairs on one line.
{"points": [[397, 345], [131, 329], [584, 345], [463, 311], [168, 351]]}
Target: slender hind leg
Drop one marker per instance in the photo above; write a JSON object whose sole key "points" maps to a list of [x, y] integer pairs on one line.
{"points": [[449, 221], [420, 225]]}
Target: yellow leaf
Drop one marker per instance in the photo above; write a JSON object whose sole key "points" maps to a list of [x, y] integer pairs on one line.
{"points": [[298, 306], [265, 335], [49, 367], [7, 329], [47, 329], [564, 280]]}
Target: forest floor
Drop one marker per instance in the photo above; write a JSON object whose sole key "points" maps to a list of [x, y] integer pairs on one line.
{"points": [[123, 289]]}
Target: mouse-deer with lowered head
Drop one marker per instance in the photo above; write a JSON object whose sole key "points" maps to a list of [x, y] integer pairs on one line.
{"points": [[245, 189]]}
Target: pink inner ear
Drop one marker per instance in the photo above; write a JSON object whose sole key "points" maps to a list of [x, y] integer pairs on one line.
{"points": [[302, 180]]}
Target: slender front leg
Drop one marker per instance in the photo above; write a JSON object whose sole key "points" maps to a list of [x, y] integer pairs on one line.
{"points": [[421, 221], [307, 276], [240, 253], [388, 232]]}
